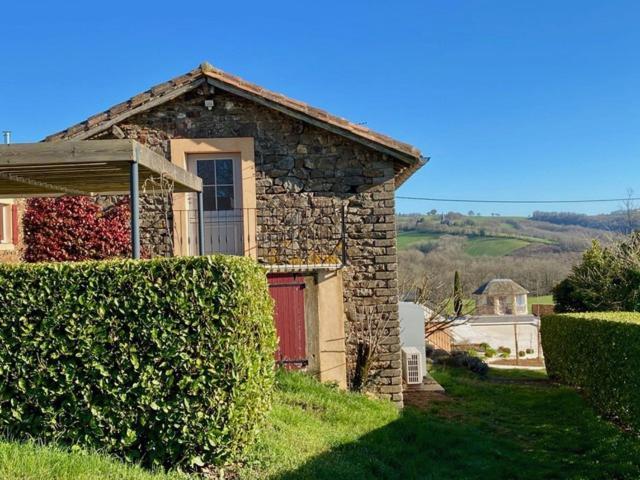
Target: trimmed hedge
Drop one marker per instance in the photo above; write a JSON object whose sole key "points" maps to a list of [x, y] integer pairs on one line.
{"points": [[166, 362], [600, 353]]}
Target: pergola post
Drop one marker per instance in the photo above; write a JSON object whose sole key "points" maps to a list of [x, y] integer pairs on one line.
{"points": [[134, 195], [200, 224]]}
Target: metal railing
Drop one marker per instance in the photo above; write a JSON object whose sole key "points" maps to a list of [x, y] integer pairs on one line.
{"points": [[278, 237]]}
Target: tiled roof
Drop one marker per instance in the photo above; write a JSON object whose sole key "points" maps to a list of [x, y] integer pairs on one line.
{"points": [[500, 286], [407, 154]]}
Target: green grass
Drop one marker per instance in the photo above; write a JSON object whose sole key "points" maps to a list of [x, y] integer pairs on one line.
{"points": [[407, 239], [34, 462], [473, 245], [493, 246], [513, 425]]}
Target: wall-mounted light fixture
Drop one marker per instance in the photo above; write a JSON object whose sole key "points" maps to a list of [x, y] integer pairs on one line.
{"points": [[209, 104]]}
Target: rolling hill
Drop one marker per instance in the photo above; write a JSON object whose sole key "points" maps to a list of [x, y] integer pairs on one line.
{"points": [[494, 236], [537, 254]]}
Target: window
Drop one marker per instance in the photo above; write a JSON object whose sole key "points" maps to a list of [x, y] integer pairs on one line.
{"points": [[521, 300], [3, 229], [217, 184], [6, 231]]}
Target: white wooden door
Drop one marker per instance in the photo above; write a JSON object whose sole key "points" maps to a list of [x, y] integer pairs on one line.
{"points": [[222, 198]]}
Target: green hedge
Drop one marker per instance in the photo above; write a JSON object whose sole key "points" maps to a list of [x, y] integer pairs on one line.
{"points": [[600, 353], [165, 362]]}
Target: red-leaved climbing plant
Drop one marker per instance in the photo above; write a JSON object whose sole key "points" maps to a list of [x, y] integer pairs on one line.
{"points": [[75, 228]]}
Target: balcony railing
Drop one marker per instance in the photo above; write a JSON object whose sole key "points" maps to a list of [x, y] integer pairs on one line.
{"points": [[280, 237]]}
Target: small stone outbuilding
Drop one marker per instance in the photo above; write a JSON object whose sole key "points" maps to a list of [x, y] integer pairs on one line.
{"points": [[501, 296], [501, 320]]}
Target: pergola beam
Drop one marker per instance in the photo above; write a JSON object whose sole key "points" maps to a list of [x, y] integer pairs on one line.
{"points": [[38, 184], [89, 167]]}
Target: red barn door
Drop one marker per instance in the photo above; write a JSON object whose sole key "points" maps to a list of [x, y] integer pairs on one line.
{"points": [[288, 295]]}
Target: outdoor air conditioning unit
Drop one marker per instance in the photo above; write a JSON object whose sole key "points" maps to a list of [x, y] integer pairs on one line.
{"points": [[412, 365]]}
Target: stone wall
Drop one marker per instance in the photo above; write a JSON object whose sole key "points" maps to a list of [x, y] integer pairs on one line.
{"points": [[9, 256], [305, 175]]}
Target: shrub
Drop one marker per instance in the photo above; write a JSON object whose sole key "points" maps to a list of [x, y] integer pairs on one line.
{"points": [[489, 352], [521, 353], [504, 350], [607, 279], [168, 362], [529, 351], [600, 353], [75, 228], [466, 360]]}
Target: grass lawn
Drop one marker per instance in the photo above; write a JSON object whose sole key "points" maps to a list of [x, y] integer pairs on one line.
{"points": [[513, 425], [34, 462]]}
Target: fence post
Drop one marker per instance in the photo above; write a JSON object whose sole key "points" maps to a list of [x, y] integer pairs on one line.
{"points": [[200, 224]]}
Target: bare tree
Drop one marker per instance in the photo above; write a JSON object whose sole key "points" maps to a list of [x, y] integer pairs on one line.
{"points": [[437, 298], [160, 190], [630, 210], [368, 332]]}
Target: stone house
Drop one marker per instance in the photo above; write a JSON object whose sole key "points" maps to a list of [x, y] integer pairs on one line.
{"points": [[501, 296], [501, 319], [307, 194]]}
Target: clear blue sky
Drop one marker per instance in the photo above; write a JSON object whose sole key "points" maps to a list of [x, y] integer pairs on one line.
{"points": [[510, 99]]}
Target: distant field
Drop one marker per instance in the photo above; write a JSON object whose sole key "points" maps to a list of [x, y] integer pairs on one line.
{"points": [[493, 246], [474, 246], [406, 239]]}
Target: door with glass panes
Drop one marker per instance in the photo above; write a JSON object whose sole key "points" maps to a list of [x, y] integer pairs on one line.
{"points": [[222, 199]]}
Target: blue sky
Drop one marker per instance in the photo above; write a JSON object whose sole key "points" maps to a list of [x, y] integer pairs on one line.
{"points": [[510, 99]]}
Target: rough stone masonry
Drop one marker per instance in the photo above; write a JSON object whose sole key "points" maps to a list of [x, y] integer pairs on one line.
{"points": [[305, 173]]}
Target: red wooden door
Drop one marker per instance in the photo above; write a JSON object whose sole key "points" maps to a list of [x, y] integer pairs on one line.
{"points": [[288, 295]]}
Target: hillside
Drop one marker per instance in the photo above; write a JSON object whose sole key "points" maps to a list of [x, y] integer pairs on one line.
{"points": [[537, 254], [495, 236], [621, 221]]}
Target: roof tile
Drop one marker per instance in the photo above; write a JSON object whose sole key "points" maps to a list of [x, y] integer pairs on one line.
{"points": [[409, 155]]}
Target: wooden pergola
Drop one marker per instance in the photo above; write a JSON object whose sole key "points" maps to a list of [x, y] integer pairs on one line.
{"points": [[90, 167]]}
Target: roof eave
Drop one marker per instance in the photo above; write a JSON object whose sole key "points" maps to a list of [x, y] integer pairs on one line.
{"points": [[164, 92]]}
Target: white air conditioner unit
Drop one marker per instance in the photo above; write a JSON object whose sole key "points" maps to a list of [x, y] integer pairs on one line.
{"points": [[412, 365]]}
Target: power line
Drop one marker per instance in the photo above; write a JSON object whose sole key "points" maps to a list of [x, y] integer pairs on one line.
{"points": [[462, 200]]}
